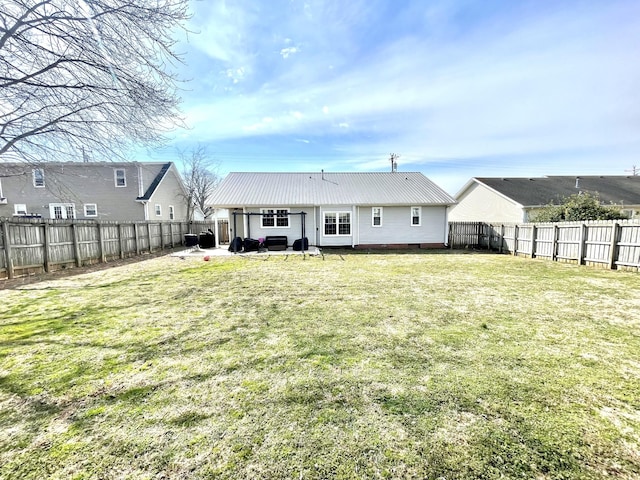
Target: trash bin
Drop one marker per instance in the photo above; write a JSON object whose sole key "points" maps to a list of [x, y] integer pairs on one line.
{"points": [[191, 240], [207, 240]]}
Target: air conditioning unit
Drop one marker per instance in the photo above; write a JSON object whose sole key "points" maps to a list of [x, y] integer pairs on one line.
{"points": [[3, 200]]}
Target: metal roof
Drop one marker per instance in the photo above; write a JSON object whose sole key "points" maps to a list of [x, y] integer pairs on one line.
{"points": [[243, 189], [529, 192]]}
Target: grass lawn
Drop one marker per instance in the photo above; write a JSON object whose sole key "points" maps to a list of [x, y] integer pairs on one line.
{"points": [[421, 365]]}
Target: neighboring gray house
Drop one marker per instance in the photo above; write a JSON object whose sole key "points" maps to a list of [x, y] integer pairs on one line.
{"points": [[340, 209], [515, 200], [123, 191]]}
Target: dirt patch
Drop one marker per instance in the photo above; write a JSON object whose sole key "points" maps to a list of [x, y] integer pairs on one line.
{"points": [[70, 272]]}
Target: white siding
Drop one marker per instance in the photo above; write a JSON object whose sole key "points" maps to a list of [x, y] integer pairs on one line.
{"points": [[397, 229], [481, 204], [292, 232]]}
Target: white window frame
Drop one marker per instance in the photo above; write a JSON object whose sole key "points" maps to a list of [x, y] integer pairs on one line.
{"points": [[411, 216], [88, 208], [374, 216], [279, 217], [158, 209], [124, 177], [20, 210], [172, 213], [65, 210], [337, 215], [38, 178]]}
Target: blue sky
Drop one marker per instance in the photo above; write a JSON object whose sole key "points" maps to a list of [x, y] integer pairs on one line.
{"points": [[456, 88]]}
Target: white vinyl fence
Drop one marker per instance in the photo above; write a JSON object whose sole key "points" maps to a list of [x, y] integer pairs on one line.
{"points": [[609, 244]]}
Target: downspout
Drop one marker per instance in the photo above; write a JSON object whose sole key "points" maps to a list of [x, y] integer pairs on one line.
{"points": [[356, 230], [245, 222]]}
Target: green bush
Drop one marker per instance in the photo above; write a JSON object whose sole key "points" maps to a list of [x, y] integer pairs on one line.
{"points": [[578, 207]]}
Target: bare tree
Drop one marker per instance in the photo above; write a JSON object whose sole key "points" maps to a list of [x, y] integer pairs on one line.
{"points": [[200, 176], [86, 74]]}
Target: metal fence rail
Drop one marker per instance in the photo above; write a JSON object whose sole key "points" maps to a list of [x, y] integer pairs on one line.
{"points": [[609, 244], [29, 246]]}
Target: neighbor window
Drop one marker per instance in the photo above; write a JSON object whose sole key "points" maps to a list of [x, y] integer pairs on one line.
{"points": [[376, 216], [337, 223], [62, 211], [416, 216], [120, 177], [171, 213], [19, 209], [90, 210], [38, 177], [158, 210]]}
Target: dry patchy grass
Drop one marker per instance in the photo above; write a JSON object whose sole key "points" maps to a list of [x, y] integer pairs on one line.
{"points": [[358, 366]]}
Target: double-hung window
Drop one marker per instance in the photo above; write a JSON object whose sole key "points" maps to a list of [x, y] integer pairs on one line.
{"points": [[158, 209], [416, 216], [337, 223], [275, 217], [376, 216], [90, 210], [38, 177], [120, 177]]}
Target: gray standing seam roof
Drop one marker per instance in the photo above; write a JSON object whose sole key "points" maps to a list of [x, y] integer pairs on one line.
{"points": [[529, 192], [313, 189]]}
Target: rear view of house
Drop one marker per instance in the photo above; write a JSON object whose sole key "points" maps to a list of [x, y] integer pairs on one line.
{"points": [[390, 209]]}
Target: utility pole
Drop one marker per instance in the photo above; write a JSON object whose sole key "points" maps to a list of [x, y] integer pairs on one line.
{"points": [[635, 171], [394, 163]]}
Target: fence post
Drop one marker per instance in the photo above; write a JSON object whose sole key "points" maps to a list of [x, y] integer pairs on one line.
{"points": [[7, 249], [136, 237], [150, 239], [613, 250], [581, 245], [534, 232], [47, 247], [516, 230], [103, 257], [76, 244], [554, 251], [121, 240], [501, 249]]}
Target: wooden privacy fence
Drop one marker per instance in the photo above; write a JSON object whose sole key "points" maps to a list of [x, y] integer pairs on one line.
{"points": [[30, 246], [609, 244]]}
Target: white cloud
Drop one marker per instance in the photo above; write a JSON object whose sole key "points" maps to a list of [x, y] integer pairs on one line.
{"points": [[285, 52]]}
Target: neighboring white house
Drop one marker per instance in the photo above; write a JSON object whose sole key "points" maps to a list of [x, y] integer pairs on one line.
{"points": [[515, 200], [336, 209], [122, 191]]}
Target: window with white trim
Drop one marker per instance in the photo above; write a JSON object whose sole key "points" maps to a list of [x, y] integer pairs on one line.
{"points": [[376, 216], [171, 213], [90, 210], [120, 177], [38, 177], [62, 211], [274, 217], [158, 209], [337, 223], [416, 216], [20, 209]]}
